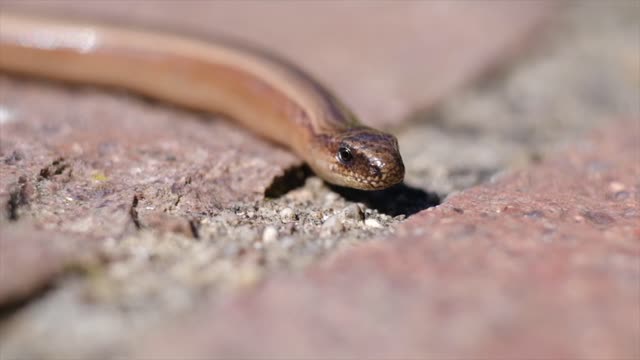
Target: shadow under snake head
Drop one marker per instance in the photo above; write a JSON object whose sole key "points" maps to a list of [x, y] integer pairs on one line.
{"points": [[360, 158]]}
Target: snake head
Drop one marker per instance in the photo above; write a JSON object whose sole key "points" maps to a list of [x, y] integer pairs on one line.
{"points": [[361, 158]]}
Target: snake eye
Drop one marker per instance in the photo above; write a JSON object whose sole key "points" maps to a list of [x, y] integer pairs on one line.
{"points": [[344, 154]]}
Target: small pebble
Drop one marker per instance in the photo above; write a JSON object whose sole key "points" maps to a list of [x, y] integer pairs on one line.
{"points": [[287, 215], [331, 198], [269, 235], [301, 196], [316, 215], [314, 183], [6, 115], [373, 223], [229, 218], [615, 186], [332, 225], [352, 212]]}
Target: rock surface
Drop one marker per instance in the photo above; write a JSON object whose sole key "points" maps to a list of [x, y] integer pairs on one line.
{"points": [[121, 216], [95, 162], [543, 262], [30, 258]]}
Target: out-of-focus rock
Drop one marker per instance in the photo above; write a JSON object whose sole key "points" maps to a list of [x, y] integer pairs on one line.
{"points": [[542, 263]]}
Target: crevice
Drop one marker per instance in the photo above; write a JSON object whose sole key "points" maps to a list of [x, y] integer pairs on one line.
{"points": [[133, 212], [292, 178], [178, 198], [195, 228], [18, 197], [57, 167], [396, 200], [13, 306]]}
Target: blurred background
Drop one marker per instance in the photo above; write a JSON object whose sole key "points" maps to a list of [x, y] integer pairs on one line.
{"points": [[472, 89]]}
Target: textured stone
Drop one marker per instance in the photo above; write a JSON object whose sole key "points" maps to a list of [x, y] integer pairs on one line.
{"points": [[31, 258], [536, 266], [109, 162], [100, 162], [542, 263]]}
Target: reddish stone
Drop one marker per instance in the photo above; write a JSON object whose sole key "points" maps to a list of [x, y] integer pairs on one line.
{"points": [[542, 263], [30, 258], [75, 157], [76, 161]]}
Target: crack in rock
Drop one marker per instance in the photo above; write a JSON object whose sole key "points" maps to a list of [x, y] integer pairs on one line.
{"points": [[133, 211], [292, 178], [57, 167], [20, 194]]}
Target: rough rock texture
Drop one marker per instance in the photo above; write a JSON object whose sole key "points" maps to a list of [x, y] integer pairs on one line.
{"points": [[30, 258], [585, 75], [177, 197], [78, 159], [83, 156], [543, 263], [105, 165], [387, 60]]}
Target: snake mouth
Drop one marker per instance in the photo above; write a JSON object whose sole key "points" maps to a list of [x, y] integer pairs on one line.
{"points": [[391, 174], [383, 180], [387, 182]]}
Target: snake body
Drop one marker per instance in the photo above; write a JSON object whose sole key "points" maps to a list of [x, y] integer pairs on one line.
{"points": [[263, 93]]}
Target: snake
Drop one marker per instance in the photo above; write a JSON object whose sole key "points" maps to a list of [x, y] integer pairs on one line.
{"points": [[259, 90]]}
